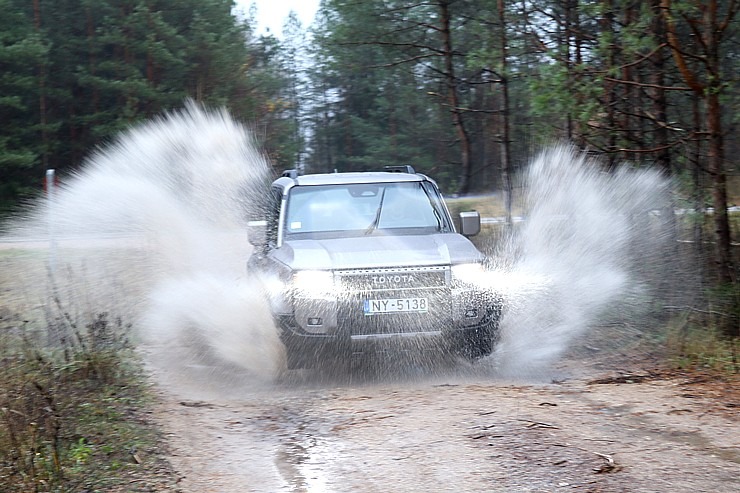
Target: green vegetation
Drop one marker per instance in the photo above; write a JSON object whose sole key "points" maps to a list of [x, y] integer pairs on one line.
{"points": [[691, 345], [72, 415], [75, 74], [486, 206]]}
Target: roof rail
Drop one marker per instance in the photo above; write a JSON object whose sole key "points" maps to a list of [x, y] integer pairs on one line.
{"points": [[290, 173], [403, 168]]}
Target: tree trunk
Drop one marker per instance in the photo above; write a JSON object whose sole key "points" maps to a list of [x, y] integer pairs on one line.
{"points": [[505, 154], [719, 187], [658, 94], [697, 176], [454, 101], [710, 90], [715, 164], [610, 91]]}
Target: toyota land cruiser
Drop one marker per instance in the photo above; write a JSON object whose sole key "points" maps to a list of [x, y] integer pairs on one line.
{"points": [[358, 261]]}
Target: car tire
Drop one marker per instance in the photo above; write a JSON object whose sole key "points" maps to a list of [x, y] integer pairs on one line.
{"points": [[331, 354], [478, 343]]}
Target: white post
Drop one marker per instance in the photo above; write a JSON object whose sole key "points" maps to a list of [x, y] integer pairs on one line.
{"points": [[50, 199]]}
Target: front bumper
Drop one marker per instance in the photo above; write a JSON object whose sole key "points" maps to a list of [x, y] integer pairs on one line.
{"points": [[314, 329], [345, 320]]}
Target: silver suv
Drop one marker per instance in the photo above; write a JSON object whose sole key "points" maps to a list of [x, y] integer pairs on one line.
{"points": [[354, 262]]}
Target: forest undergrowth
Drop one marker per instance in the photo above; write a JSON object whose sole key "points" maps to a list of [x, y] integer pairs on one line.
{"points": [[73, 410]]}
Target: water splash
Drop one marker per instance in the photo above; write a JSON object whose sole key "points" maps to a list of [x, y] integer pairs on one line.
{"points": [[167, 204], [580, 253], [155, 223]]}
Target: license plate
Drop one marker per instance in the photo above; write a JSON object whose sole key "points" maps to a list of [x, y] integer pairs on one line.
{"points": [[396, 305]]}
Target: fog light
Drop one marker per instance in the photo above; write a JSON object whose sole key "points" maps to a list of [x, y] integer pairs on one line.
{"points": [[471, 313], [315, 321]]}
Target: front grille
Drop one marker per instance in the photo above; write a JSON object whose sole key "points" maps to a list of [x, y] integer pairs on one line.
{"points": [[423, 282], [393, 279]]}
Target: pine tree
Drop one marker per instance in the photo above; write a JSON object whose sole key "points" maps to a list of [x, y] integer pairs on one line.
{"points": [[22, 51]]}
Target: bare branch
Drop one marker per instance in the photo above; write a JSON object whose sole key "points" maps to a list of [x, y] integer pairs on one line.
{"points": [[407, 60], [643, 58], [653, 86], [648, 151], [398, 45], [731, 11]]}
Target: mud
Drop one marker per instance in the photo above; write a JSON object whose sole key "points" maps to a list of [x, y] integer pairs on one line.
{"points": [[354, 430]]}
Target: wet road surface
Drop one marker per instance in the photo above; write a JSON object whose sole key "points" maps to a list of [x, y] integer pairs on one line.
{"points": [[360, 430]]}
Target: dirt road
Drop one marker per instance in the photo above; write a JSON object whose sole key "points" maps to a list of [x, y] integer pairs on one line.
{"points": [[387, 428]]}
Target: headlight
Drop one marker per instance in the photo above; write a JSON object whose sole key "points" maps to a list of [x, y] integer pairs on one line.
{"points": [[468, 273], [313, 284]]}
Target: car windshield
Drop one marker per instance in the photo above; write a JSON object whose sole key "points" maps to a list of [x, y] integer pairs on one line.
{"points": [[363, 209]]}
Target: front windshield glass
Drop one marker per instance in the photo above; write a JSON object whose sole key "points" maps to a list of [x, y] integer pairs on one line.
{"points": [[357, 209]]}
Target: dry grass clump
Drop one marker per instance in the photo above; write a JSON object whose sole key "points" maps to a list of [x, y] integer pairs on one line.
{"points": [[69, 409], [694, 343]]}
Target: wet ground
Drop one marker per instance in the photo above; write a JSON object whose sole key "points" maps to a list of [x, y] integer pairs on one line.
{"points": [[389, 427], [599, 423]]}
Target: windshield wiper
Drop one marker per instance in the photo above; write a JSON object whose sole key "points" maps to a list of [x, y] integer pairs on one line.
{"points": [[374, 225]]}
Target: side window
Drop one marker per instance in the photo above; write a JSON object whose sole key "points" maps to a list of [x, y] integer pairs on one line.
{"points": [[273, 215]]}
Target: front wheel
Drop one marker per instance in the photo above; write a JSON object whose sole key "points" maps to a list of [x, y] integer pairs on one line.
{"points": [[475, 344], [307, 354]]}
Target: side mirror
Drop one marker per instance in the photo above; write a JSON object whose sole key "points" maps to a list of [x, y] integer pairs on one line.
{"points": [[257, 233], [469, 223]]}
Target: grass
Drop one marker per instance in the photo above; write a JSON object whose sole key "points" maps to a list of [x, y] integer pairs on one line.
{"points": [[692, 346], [487, 206], [71, 415]]}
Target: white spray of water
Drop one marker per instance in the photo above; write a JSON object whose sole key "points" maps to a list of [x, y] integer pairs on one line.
{"points": [[173, 194], [574, 256]]}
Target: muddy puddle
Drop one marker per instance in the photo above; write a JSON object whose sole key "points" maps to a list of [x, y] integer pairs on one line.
{"points": [[442, 430]]}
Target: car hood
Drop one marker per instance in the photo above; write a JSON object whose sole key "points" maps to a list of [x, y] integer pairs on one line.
{"points": [[370, 252]]}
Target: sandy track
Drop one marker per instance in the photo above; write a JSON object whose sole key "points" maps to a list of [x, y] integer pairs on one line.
{"points": [[327, 432]]}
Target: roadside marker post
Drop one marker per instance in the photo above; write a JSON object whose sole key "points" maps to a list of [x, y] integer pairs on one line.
{"points": [[50, 201]]}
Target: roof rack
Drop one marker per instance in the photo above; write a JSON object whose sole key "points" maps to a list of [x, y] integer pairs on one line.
{"points": [[403, 168], [290, 173]]}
